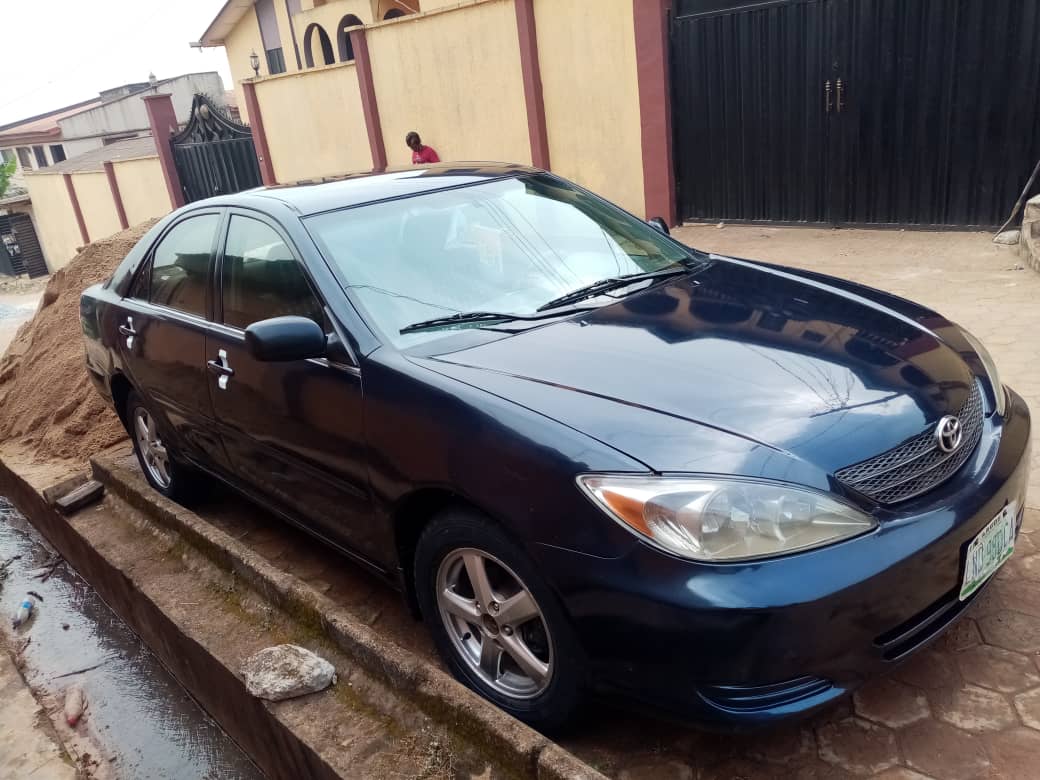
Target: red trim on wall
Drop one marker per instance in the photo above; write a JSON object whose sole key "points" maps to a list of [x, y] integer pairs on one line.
{"points": [[532, 73], [655, 109], [369, 106], [256, 127], [117, 198], [75, 208], [163, 121]]}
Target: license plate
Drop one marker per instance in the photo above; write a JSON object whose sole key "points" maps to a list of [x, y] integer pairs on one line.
{"points": [[989, 550]]}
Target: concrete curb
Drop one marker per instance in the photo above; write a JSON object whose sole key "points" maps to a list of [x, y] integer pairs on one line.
{"points": [[269, 741], [435, 692]]}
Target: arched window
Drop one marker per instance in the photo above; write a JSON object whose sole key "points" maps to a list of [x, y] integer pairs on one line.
{"points": [[327, 54], [393, 13], [346, 49]]}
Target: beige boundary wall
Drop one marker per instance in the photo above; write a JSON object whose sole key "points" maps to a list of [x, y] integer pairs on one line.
{"points": [[587, 58], [454, 75], [142, 190], [56, 224], [314, 123]]}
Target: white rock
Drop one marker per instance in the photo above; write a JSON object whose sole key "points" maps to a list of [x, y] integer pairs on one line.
{"points": [[286, 671], [1009, 237]]}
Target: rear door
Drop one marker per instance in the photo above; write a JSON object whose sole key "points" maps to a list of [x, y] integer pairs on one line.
{"points": [[162, 325], [292, 431]]}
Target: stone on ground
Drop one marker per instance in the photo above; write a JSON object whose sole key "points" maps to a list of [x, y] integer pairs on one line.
{"points": [[1008, 237], [286, 671]]}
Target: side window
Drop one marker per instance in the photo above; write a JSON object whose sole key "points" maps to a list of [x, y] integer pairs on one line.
{"points": [[261, 278], [180, 265]]}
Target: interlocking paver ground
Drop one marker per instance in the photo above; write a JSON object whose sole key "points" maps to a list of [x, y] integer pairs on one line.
{"points": [[969, 707]]}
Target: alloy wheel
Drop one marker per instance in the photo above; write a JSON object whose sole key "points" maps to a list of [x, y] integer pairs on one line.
{"points": [[153, 451], [494, 623]]}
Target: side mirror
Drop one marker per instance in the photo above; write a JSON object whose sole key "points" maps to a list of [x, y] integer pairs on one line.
{"points": [[283, 339], [660, 224]]}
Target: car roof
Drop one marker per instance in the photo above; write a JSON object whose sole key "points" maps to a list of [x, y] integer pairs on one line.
{"points": [[312, 197]]}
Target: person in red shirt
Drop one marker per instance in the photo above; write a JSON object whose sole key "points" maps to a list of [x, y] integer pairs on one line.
{"points": [[421, 155]]}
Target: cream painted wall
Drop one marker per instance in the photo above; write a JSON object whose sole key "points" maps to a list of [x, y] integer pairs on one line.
{"points": [[55, 220], [328, 16], [96, 203], [314, 123], [240, 42], [587, 56], [454, 77], [142, 188], [286, 37], [433, 5]]}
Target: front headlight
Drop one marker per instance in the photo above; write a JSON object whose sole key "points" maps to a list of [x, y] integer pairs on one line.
{"points": [[724, 519], [991, 370]]}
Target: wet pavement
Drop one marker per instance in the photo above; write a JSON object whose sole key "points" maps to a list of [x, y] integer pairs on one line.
{"points": [[143, 724], [14, 310]]}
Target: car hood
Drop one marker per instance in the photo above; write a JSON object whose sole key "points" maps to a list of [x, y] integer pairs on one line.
{"points": [[786, 364]]}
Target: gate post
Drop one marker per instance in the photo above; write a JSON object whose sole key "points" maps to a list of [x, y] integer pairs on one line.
{"points": [[256, 127], [655, 109], [369, 104], [163, 121]]}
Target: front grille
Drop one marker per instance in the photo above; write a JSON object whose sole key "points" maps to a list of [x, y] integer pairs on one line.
{"points": [[918, 465]]}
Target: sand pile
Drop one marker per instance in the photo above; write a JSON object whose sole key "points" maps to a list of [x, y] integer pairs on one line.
{"points": [[47, 402]]}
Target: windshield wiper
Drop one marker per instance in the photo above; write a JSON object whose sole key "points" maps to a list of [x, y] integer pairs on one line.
{"points": [[482, 316], [610, 283]]}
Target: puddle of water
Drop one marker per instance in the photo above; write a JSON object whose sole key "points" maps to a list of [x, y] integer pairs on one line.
{"points": [[137, 713]]}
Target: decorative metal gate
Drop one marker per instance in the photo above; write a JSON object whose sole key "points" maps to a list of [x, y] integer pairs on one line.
{"points": [[20, 247], [213, 154], [855, 111]]}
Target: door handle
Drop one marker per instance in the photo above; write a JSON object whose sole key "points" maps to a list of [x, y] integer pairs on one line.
{"points": [[827, 95], [841, 94], [221, 368], [128, 331]]}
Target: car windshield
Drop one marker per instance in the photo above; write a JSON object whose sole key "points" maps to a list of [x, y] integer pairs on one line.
{"points": [[507, 246]]}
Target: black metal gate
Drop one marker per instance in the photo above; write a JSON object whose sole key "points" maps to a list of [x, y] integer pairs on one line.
{"points": [[213, 154], [855, 111], [21, 248]]}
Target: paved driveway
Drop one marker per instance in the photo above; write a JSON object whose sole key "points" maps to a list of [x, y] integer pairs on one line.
{"points": [[969, 707]]}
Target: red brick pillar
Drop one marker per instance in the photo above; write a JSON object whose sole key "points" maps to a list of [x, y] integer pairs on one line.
{"points": [[75, 208], [532, 75], [117, 198], [163, 121], [369, 106], [256, 126], [655, 110]]}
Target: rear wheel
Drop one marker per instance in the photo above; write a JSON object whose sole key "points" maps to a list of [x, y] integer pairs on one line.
{"points": [[495, 620], [158, 463]]}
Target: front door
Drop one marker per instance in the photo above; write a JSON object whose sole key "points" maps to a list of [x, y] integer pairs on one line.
{"points": [[293, 431], [162, 325]]}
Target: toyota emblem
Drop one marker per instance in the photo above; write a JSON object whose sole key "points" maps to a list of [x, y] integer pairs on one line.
{"points": [[948, 433]]}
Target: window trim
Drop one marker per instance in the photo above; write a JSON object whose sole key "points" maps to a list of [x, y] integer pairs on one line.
{"points": [[149, 257], [217, 320]]}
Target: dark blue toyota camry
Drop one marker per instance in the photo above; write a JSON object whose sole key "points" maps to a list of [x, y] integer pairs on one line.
{"points": [[592, 458]]}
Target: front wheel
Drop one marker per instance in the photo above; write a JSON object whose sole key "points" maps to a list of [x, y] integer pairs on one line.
{"points": [[495, 620], [160, 468]]}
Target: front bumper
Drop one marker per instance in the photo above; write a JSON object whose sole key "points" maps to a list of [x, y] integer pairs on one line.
{"points": [[743, 644]]}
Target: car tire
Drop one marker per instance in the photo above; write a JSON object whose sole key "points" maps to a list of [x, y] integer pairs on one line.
{"points": [[161, 468], [532, 667]]}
